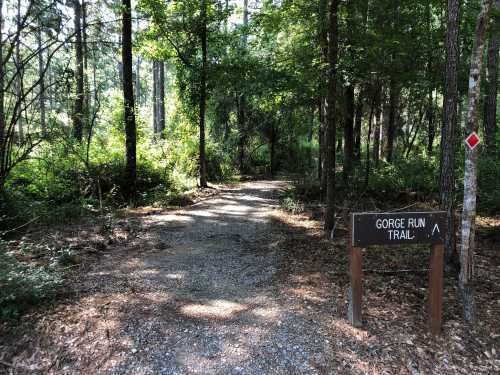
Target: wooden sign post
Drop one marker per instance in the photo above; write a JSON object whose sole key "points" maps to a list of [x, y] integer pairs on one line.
{"points": [[367, 229]]}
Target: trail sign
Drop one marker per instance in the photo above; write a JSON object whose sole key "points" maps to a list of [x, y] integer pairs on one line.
{"points": [[472, 140], [398, 228], [409, 228]]}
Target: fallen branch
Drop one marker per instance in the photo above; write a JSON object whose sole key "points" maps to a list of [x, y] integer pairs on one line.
{"points": [[21, 226]]}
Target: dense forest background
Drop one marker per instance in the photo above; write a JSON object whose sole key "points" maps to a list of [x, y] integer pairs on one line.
{"points": [[107, 103]]}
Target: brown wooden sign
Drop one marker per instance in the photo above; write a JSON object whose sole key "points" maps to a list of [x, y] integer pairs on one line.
{"points": [[396, 229]]}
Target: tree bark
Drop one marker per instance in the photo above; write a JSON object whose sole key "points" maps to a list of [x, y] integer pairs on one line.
{"points": [[490, 103], [393, 111], [78, 112], [331, 117], [431, 130], [357, 127], [467, 243], [323, 103], [19, 73], [203, 93], [447, 175], [128, 102], [155, 98], [378, 129], [161, 98], [41, 77], [348, 132]]}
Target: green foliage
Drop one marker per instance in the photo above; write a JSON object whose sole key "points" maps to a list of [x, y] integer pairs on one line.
{"points": [[488, 199], [417, 175], [23, 286]]}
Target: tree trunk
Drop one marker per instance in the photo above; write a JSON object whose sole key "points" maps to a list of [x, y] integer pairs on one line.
{"points": [[19, 72], [430, 119], [378, 129], [331, 117], [490, 103], [357, 127], [137, 73], [348, 132], [78, 112], [41, 77], [391, 128], [86, 84], [368, 135], [467, 243], [3, 136], [128, 102], [323, 103], [447, 175], [155, 98], [161, 98], [203, 93]]}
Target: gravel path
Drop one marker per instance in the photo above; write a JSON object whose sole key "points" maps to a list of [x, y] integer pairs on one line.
{"points": [[194, 292]]}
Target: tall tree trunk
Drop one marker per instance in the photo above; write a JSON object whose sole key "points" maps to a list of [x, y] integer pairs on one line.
{"points": [[490, 103], [322, 89], [368, 135], [447, 175], [3, 136], [203, 93], [331, 117], [467, 243], [393, 112], [357, 127], [161, 98], [41, 77], [128, 101], [78, 111], [431, 133], [378, 129], [137, 72], [19, 72], [348, 132], [431, 130], [86, 83], [155, 98]]}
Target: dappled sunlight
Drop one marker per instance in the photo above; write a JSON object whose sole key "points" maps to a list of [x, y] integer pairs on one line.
{"points": [[219, 309]]}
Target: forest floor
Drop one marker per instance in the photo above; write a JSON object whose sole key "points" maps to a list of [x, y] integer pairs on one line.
{"points": [[234, 285]]}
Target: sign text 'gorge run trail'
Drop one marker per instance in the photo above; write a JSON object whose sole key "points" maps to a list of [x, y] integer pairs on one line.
{"points": [[398, 228]]}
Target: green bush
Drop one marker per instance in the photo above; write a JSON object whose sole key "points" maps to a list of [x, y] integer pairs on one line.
{"points": [[488, 200], [23, 286]]}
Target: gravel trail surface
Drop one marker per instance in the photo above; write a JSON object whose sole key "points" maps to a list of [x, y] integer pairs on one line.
{"points": [[192, 291]]}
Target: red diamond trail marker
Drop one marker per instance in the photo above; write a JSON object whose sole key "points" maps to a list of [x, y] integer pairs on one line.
{"points": [[472, 140]]}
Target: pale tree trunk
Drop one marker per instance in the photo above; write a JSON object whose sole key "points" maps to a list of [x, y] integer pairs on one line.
{"points": [[448, 129], [490, 103], [468, 228], [331, 117]]}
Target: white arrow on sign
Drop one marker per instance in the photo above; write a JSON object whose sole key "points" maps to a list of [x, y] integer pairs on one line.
{"points": [[436, 228]]}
